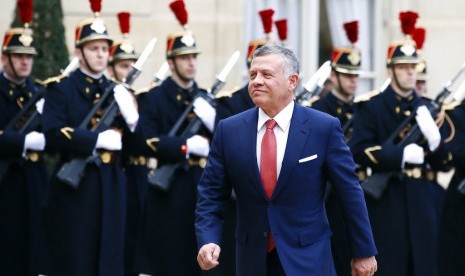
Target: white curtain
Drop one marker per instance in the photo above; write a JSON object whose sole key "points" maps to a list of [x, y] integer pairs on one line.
{"points": [[341, 11]]}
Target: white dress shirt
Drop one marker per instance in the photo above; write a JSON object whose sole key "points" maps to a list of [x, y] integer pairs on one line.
{"points": [[281, 131]]}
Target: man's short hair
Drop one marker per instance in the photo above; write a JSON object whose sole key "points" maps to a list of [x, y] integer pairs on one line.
{"points": [[291, 63]]}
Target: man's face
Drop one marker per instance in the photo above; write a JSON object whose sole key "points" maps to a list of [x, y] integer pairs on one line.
{"points": [[20, 63], [420, 88], [269, 87], [121, 69], [184, 67], [348, 82], [96, 53], [406, 75]]}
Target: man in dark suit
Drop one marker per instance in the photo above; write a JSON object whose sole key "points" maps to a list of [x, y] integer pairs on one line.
{"points": [[282, 227]]}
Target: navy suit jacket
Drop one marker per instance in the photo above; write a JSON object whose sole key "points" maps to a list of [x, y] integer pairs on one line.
{"points": [[295, 213]]}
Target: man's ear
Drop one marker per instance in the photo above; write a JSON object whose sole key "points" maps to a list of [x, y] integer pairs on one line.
{"points": [[170, 63], [293, 81], [78, 53], [389, 71]]}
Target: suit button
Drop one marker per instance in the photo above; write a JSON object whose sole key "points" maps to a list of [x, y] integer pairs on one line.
{"points": [[265, 234]]}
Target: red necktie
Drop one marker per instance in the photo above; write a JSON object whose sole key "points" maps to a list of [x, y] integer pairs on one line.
{"points": [[268, 169]]}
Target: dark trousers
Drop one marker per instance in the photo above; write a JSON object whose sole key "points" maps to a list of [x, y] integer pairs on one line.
{"points": [[273, 264]]}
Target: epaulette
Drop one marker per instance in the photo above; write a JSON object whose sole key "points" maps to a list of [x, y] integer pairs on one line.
{"points": [[366, 97], [313, 100], [206, 90], [145, 89], [452, 105], [51, 80], [426, 98], [227, 93]]}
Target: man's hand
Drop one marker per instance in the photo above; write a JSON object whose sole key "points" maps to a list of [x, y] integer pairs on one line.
{"points": [[208, 256], [364, 266]]}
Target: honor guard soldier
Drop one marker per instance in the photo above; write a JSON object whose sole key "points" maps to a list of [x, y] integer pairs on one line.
{"points": [[23, 175], [122, 52], [122, 56], [419, 35], [167, 242], [451, 238], [405, 216], [345, 65], [84, 223]]}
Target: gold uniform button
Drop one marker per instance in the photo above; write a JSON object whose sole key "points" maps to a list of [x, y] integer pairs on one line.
{"points": [[105, 157], [33, 156], [202, 162], [431, 176], [87, 90], [416, 173]]}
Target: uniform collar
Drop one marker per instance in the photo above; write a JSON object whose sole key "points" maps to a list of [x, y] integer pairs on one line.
{"points": [[401, 105], [88, 86], [13, 91], [178, 95]]}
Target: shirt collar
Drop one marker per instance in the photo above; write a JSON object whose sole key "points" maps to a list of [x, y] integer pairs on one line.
{"points": [[283, 118]]}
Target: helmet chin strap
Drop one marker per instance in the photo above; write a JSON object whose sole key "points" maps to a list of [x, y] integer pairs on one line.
{"points": [[341, 89], [396, 81], [180, 76], [87, 63], [12, 67]]}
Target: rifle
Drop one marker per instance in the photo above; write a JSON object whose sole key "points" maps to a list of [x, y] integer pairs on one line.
{"points": [[71, 172], [162, 176], [314, 85], [348, 123], [4, 164], [375, 184]]}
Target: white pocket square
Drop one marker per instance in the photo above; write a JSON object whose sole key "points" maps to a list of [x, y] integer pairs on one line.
{"points": [[311, 157]]}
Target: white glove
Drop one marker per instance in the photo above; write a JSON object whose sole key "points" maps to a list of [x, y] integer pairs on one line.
{"points": [[198, 145], [34, 141], [413, 154], [126, 105], [109, 139], [428, 127], [205, 112], [40, 105]]}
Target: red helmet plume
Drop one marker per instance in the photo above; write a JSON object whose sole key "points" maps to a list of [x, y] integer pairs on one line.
{"points": [[351, 29], [179, 10], [267, 20], [419, 35], [124, 25], [408, 19], [25, 11], [281, 25]]}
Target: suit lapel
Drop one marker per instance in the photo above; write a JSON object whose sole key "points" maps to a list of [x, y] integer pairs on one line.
{"points": [[297, 138], [248, 139]]}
